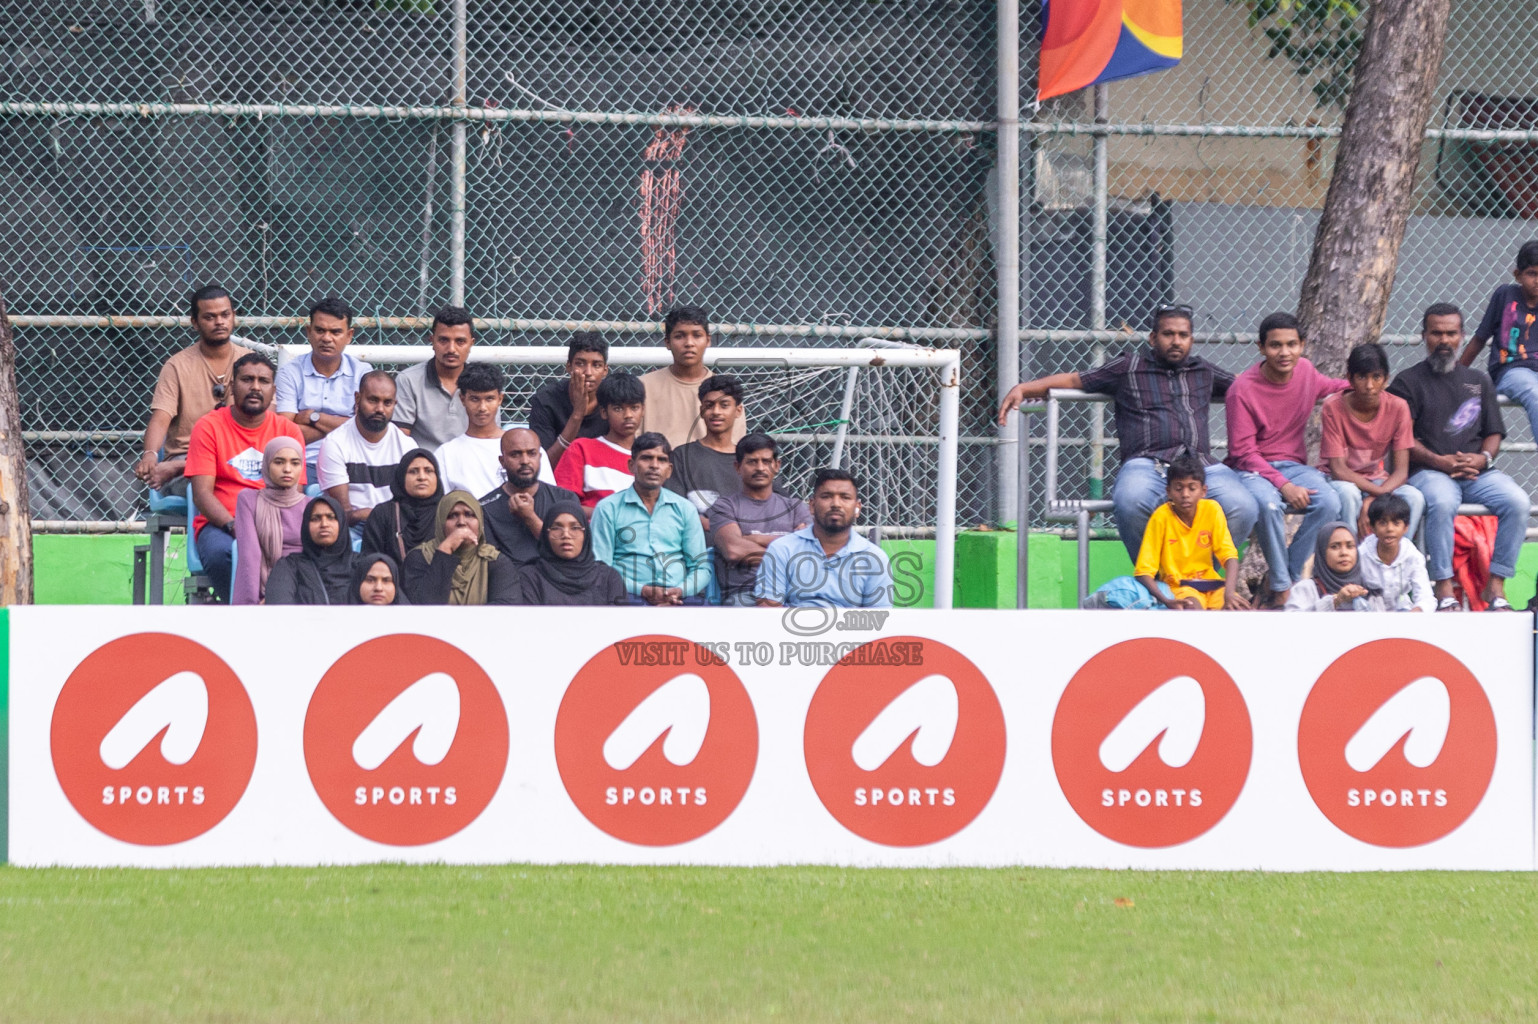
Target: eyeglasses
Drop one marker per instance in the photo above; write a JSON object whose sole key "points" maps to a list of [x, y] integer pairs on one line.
{"points": [[219, 392], [1179, 309]]}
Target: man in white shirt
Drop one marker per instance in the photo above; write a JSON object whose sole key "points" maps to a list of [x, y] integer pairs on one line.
{"points": [[472, 461], [358, 459]]}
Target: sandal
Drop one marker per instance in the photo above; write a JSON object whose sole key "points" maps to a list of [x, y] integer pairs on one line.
{"points": [[1449, 604], [1500, 604]]}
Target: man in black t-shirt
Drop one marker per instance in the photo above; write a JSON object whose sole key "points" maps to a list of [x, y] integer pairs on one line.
{"points": [[1510, 319], [561, 411], [706, 469], [515, 512], [1458, 433]]}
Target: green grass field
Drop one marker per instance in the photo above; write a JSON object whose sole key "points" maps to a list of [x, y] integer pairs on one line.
{"points": [[632, 944]]}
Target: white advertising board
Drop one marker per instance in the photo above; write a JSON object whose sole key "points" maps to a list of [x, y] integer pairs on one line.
{"points": [[210, 736]]}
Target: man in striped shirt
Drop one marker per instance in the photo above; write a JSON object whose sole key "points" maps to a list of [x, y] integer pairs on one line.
{"points": [[595, 467], [1161, 394]]}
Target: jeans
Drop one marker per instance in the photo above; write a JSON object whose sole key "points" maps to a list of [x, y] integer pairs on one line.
{"points": [[1492, 489], [1286, 561], [1140, 488], [1521, 386], [1351, 503], [215, 550]]}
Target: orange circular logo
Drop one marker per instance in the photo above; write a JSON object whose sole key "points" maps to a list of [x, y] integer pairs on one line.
{"points": [[1151, 743], [904, 741], [153, 739], [1397, 743], [656, 740], [405, 740]]}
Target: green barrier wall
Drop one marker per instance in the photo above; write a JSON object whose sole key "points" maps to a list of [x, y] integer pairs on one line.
{"points": [[99, 570]]}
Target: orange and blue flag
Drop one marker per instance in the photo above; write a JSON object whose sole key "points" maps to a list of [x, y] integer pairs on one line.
{"points": [[1086, 42]]}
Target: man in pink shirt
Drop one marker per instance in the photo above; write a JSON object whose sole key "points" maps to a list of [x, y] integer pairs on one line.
{"points": [[1268, 408]]}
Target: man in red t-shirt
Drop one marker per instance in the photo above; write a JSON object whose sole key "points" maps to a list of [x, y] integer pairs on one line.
{"points": [[595, 467], [224, 457]]}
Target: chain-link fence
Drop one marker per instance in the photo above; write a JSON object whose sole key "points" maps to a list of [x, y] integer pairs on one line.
{"points": [[1210, 180], [811, 172]]}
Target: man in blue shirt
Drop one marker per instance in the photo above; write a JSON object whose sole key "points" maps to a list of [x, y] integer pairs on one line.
{"points": [[826, 564], [316, 390], [651, 535]]}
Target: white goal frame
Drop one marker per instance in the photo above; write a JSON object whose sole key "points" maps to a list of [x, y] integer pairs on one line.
{"points": [[871, 354]]}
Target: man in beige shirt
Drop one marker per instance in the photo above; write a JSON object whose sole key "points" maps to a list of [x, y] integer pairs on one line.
{"points": [[673, 392], [193, 383]]}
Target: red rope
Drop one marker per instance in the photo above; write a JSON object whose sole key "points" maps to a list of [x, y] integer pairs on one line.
{"points": [[661, 199]]}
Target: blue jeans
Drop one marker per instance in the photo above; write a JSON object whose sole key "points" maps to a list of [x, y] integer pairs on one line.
{"points": [[1351, 503], [1492, 489], [1286, 561], [215, 550], [1521, 386], [1140, 488]]}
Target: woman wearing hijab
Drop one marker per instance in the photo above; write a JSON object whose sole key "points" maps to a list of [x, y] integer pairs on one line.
{"points": [[566, 573], [322, 571], [376, 580], [1337, 584], [396, 526], [270, 521], [454, 567]]}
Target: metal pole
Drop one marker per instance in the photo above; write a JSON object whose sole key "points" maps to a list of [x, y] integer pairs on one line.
{"points": [[1022, 525], [1097, 283], [1052, 425], [945, 498], [457, 190], [844, 412], [1007, 262]]}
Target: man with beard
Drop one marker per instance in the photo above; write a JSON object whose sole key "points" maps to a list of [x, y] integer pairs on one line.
{"points": [[744, 524], [1458, 433], [358, 459], [826, 564], [515, 512], [224, 456], [1161, 393], [193, 383]]}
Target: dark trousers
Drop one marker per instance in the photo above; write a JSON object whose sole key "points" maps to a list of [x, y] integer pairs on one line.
{"points": [[215, 549]]}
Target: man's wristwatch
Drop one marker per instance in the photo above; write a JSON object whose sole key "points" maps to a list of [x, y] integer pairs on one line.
{"points": [[1489, 460], [314, 417], [228, 527]]}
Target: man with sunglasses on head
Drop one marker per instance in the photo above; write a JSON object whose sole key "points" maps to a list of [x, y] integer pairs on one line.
{"points": [[193, 383], [1161, 394]]}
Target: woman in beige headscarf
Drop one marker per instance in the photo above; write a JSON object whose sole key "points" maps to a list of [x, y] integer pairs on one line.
{"points": [[455, 567]]}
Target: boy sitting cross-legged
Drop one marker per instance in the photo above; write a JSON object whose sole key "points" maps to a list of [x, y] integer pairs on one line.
{"points": [[1391, 562], [1185, 536]]}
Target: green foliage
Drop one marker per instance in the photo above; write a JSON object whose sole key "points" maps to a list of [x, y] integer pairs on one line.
{"points": [[1321, 38]]}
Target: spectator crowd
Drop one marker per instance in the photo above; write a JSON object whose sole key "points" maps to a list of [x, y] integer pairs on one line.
{"points": [[328, 481], [1394, 458]]}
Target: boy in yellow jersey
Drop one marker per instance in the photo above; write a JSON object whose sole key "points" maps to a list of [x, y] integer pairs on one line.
{"points": [[1184, 537]]}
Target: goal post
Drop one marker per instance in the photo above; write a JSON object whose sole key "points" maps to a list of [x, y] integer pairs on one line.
{"points": [[888, 411]]}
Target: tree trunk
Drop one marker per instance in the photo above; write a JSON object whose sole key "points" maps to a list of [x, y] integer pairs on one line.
{"points": [[15, 514], [1356, 249]]}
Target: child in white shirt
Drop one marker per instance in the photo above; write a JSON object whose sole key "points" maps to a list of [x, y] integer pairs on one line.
{"points": [[1390, 562]]}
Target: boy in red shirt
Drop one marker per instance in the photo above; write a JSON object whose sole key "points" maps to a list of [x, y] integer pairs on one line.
{"points": [[595, 467], [1366, 442], [224, 457]]}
